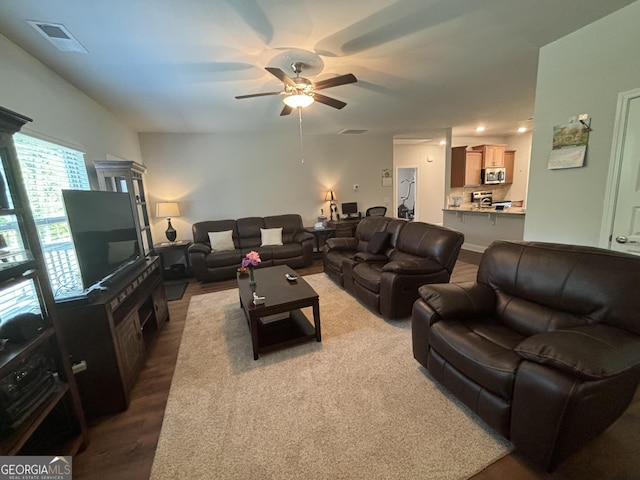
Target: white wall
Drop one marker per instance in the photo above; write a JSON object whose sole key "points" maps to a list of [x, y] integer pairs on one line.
{"points": [[60, 111], [216, 177], [580, 73]]}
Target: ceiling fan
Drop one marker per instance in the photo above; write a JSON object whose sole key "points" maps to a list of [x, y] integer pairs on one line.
{"points": [[302, 92]]}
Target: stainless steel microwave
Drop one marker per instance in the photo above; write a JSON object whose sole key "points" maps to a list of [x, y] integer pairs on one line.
{"points": [[493, 175]]}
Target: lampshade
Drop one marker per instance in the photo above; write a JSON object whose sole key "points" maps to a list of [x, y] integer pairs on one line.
{"points": [[296, 101], [330, 196], [167, 210]]}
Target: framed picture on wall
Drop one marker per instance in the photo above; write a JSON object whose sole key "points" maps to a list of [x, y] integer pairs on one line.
{"points": [[569, 145], [387, 178]]}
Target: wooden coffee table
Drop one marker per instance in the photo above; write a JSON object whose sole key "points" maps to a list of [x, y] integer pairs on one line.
{"points": [[288, 325]]}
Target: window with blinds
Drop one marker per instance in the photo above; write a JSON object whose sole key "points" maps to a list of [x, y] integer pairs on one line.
{"points": [[47, 169]]}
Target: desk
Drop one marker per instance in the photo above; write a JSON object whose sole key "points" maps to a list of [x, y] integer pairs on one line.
{"points": [[166, 251], [321, 234], [345, 227]]}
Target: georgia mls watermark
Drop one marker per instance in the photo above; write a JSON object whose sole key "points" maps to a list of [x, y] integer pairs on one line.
{"points": [[35, 468]]}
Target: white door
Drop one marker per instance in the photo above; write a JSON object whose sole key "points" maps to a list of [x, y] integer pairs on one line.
{"points": [[625, 234]]}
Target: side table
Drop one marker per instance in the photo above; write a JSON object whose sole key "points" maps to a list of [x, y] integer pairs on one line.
{"points": [[169, 252], [321, 234]]}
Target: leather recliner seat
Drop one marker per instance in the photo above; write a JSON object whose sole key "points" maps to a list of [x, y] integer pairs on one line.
{"points": [[386, 277], [296, 250], [544, 346]]}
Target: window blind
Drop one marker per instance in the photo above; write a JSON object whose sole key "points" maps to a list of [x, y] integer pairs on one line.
{"points": [[47, 169]]}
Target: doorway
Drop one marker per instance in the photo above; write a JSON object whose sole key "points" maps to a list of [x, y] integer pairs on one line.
{"points": [[406, 192], [621, 222]]}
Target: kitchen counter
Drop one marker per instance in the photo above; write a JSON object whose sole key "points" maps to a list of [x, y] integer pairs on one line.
{"points": [[481, 226], [469, 208]]}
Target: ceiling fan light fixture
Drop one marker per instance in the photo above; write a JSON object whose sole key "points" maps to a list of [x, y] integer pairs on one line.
{"points": [[298, 101]]}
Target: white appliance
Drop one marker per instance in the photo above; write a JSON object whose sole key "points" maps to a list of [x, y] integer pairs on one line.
{"points": [[493, 175], [482, 199]]}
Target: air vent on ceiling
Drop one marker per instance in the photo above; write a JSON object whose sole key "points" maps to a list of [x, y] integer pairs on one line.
{"points": [[351, 131], [58, 35]]}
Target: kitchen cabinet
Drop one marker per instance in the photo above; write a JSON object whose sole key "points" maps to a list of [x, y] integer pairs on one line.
{"points": [[466, 167], [509, 165], [492, 155]]}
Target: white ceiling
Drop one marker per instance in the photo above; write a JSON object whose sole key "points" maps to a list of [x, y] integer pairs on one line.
{"points": [[422, 65]]}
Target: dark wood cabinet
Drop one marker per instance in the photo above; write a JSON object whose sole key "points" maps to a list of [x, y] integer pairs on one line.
{"points": [[345, 227], [466, 167], [127, 176], [111, 332], [41, 412], [130, 348], [509, 165]]}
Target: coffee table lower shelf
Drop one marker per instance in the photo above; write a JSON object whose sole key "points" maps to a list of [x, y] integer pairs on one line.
{"points": [[276, 334]]}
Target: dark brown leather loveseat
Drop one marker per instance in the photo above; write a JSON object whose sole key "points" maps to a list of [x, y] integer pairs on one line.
{"points": [[544, 346], [206, 265], [388, 259]]}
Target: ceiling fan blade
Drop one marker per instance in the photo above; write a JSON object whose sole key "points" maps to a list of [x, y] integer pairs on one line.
{"points": [[286, 110], [335, 81], [279, 74], [332, 102], [258, 95]]}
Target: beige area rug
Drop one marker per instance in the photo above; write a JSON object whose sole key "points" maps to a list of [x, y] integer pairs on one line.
{"points": [[356, 406]]}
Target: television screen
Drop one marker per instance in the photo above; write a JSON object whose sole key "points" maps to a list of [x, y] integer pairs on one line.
{"points": [[103, 231], [350, 208]]}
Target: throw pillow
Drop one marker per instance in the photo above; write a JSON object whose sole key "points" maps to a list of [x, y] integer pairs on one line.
{"points": [[271, 236], [379, 242], [221, 241]]}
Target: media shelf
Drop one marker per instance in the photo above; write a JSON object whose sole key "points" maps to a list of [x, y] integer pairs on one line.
{"points": [[36, 378], [111, 331], [13, 354]]}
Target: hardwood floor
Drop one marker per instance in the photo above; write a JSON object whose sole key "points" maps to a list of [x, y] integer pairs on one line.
{"points": [[122, 446]]}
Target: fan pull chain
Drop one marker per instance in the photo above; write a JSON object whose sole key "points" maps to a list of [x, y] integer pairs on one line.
{"points": [[301, 143]]}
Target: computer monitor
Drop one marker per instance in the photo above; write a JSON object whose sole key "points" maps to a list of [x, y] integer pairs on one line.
{"points": [[349, 209]]}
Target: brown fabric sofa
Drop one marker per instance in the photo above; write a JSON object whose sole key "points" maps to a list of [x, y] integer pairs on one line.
{"points": [[388, 259], [544, 346], [296, 250]]}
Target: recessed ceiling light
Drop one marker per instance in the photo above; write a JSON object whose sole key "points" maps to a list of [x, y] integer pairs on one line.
{"points": [[480, 129], [522, 129], [443, 142]]}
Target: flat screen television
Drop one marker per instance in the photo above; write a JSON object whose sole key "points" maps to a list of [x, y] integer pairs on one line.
{"points": [[104, 234], [350, 208]]}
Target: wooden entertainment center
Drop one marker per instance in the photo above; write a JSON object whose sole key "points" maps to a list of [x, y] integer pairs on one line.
{"points": [[111, 331]]}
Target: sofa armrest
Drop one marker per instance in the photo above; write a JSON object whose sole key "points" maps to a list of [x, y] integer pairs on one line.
{"points": [[459, 300], [301, 236], [590, 352], [199, 248], [370, 257], [342, 243], [413, 267]]}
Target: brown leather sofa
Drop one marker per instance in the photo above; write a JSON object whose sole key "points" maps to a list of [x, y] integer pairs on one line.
{"points": [[388, 259], [296, 250], [544, 346]]}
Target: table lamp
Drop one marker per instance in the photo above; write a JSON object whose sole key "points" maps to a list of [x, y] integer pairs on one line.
{"points": [[168, 210], [330, 196]]}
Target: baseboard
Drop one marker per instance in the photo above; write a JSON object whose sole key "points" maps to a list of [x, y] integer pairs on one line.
{"points": [[474, 248]]}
